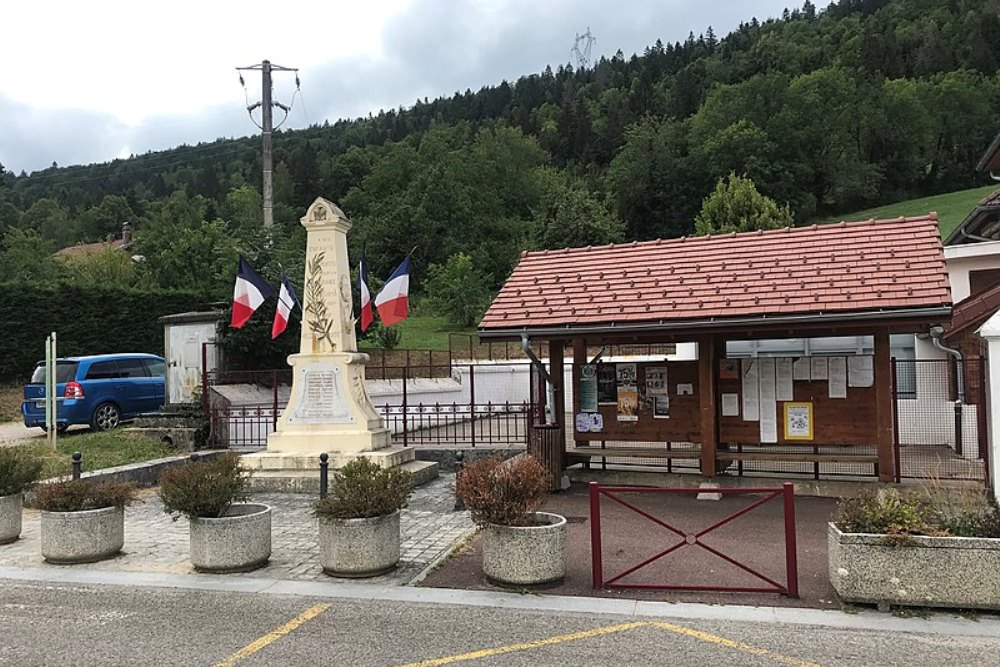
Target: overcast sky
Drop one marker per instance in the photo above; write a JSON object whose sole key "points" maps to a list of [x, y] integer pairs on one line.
{"points": [[91, 81]]}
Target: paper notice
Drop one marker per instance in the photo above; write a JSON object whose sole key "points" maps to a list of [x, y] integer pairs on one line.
{"points": [[783, 373], [838, 377], [860, 371], [751, 406], [818, 370], [730, 405], [801, 370], [768, 402]]}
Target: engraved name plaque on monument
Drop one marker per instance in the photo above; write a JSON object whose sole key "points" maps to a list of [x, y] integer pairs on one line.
{"points": [[321, 397]]}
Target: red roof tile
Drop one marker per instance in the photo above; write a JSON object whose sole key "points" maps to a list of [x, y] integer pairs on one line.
{"points": [[973, 311], [845, 267]]}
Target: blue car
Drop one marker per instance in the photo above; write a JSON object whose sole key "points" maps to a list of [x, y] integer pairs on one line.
{"points": [[101, 390]]}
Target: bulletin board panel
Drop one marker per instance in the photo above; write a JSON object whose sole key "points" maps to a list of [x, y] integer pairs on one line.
{"points": [[683, 424], [835, 421]]}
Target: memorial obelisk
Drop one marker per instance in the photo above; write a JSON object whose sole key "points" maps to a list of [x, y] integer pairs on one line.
{"points": [[329, 410]]}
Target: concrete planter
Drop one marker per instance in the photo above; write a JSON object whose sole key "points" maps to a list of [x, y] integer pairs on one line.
{"points": [[240, 541], [923, 572], [82, 537], [525, 555], [10, 517], [358, 548]]}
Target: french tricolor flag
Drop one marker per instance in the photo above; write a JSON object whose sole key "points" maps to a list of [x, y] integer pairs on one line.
{"points": [[367, 316], [250, 292], [287, 300], [393, 301]]}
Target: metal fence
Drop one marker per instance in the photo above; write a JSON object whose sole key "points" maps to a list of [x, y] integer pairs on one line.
{"points": [[940, 419], [472, 405]]}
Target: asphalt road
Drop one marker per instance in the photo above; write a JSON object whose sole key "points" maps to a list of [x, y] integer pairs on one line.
{"points": [[63, 624]]}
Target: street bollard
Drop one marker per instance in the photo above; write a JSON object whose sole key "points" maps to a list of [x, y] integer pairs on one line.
{"points": [[77, 456], [459, 463], [324, 474]]}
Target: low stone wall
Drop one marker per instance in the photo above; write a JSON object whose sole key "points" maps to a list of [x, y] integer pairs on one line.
{"points": [[143, 474], [959, 572]]}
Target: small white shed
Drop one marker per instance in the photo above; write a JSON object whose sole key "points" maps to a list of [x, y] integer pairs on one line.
{"points": [[189, 343]]}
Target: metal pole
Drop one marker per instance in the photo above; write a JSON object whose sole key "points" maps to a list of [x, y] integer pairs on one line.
{"points": [[266, 127], [49, 362], [459, 464], [406, 418], [324, 474], [274, 404], [791, 550], [597, 567], [77, 464], [472, 402]]}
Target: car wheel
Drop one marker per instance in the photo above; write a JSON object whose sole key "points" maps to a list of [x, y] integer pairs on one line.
{"points": [[106, 417]]}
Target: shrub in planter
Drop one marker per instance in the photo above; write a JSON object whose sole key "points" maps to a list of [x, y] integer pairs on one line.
{"points": [[226, 533], [19, 469], [359, 519], [932, 550], [521, 545], [83, 521]]}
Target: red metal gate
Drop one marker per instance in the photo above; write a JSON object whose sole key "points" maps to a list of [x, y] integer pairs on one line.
{"points": [[786, 492]]}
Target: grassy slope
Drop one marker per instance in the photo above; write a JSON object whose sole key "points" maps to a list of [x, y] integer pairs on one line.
{"points": [[424, 332], [951, 208]]}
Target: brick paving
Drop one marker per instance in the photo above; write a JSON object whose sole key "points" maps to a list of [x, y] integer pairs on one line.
{"points": [[155, 543]]}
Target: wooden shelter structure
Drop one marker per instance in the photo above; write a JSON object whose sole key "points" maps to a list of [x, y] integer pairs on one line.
{"points": [[868, 278]]}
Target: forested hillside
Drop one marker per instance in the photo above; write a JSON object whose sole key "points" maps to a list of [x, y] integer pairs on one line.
{"points": [[828, 111]]}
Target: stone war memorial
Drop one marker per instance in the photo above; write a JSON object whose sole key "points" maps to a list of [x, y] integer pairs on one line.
{"points": [[329, 410]]}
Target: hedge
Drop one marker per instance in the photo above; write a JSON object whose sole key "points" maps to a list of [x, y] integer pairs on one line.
{"points": [[87, 320]]}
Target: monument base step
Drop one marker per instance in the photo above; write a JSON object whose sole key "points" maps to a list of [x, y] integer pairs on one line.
{"points": [[387, 457], [307, 481]]}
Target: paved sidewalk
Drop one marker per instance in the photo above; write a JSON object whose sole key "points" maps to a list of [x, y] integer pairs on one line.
{"points": [[156, 544]]}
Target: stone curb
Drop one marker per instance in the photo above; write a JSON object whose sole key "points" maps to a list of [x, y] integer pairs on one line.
{"points": [[434, 564]]}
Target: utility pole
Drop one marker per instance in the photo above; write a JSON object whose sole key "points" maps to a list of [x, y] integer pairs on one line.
{"points": [[267, 126]]}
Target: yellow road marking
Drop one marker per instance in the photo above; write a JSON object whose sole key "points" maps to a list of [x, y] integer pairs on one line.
{"points": [[559, 639], [739, 646], [274, 635]]}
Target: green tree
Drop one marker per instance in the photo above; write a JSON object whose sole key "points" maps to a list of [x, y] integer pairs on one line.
{"points": [[106, 219], [110, 266], [26, 256], [571, 218], [458, 290], [736, 206]]}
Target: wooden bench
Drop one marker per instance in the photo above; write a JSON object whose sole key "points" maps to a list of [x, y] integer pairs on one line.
{"points": [[798, 457], [631, 453]]}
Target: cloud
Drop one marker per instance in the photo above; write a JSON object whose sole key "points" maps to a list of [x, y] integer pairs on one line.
{"points": [[429, 49]]}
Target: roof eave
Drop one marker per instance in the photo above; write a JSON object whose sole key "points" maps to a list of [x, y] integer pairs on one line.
{"points": [[928, 313], [991, 158]]}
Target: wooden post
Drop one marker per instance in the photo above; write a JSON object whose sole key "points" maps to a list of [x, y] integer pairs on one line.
{"points": [[883, 407], [707, 350], [579, 358], [556, 358]]}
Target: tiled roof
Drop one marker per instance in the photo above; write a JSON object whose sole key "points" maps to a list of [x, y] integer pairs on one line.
{"points": [[972, 312], [81, 250], [839, 268], [991, 158], [980, 223]]}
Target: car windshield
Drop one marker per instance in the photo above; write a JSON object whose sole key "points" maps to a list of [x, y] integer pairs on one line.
{"points": [[65, 372]]}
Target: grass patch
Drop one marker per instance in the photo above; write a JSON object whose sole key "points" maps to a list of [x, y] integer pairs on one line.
{"points": [[426, 332], [10, 402], [951, 207], [106, 449]]}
